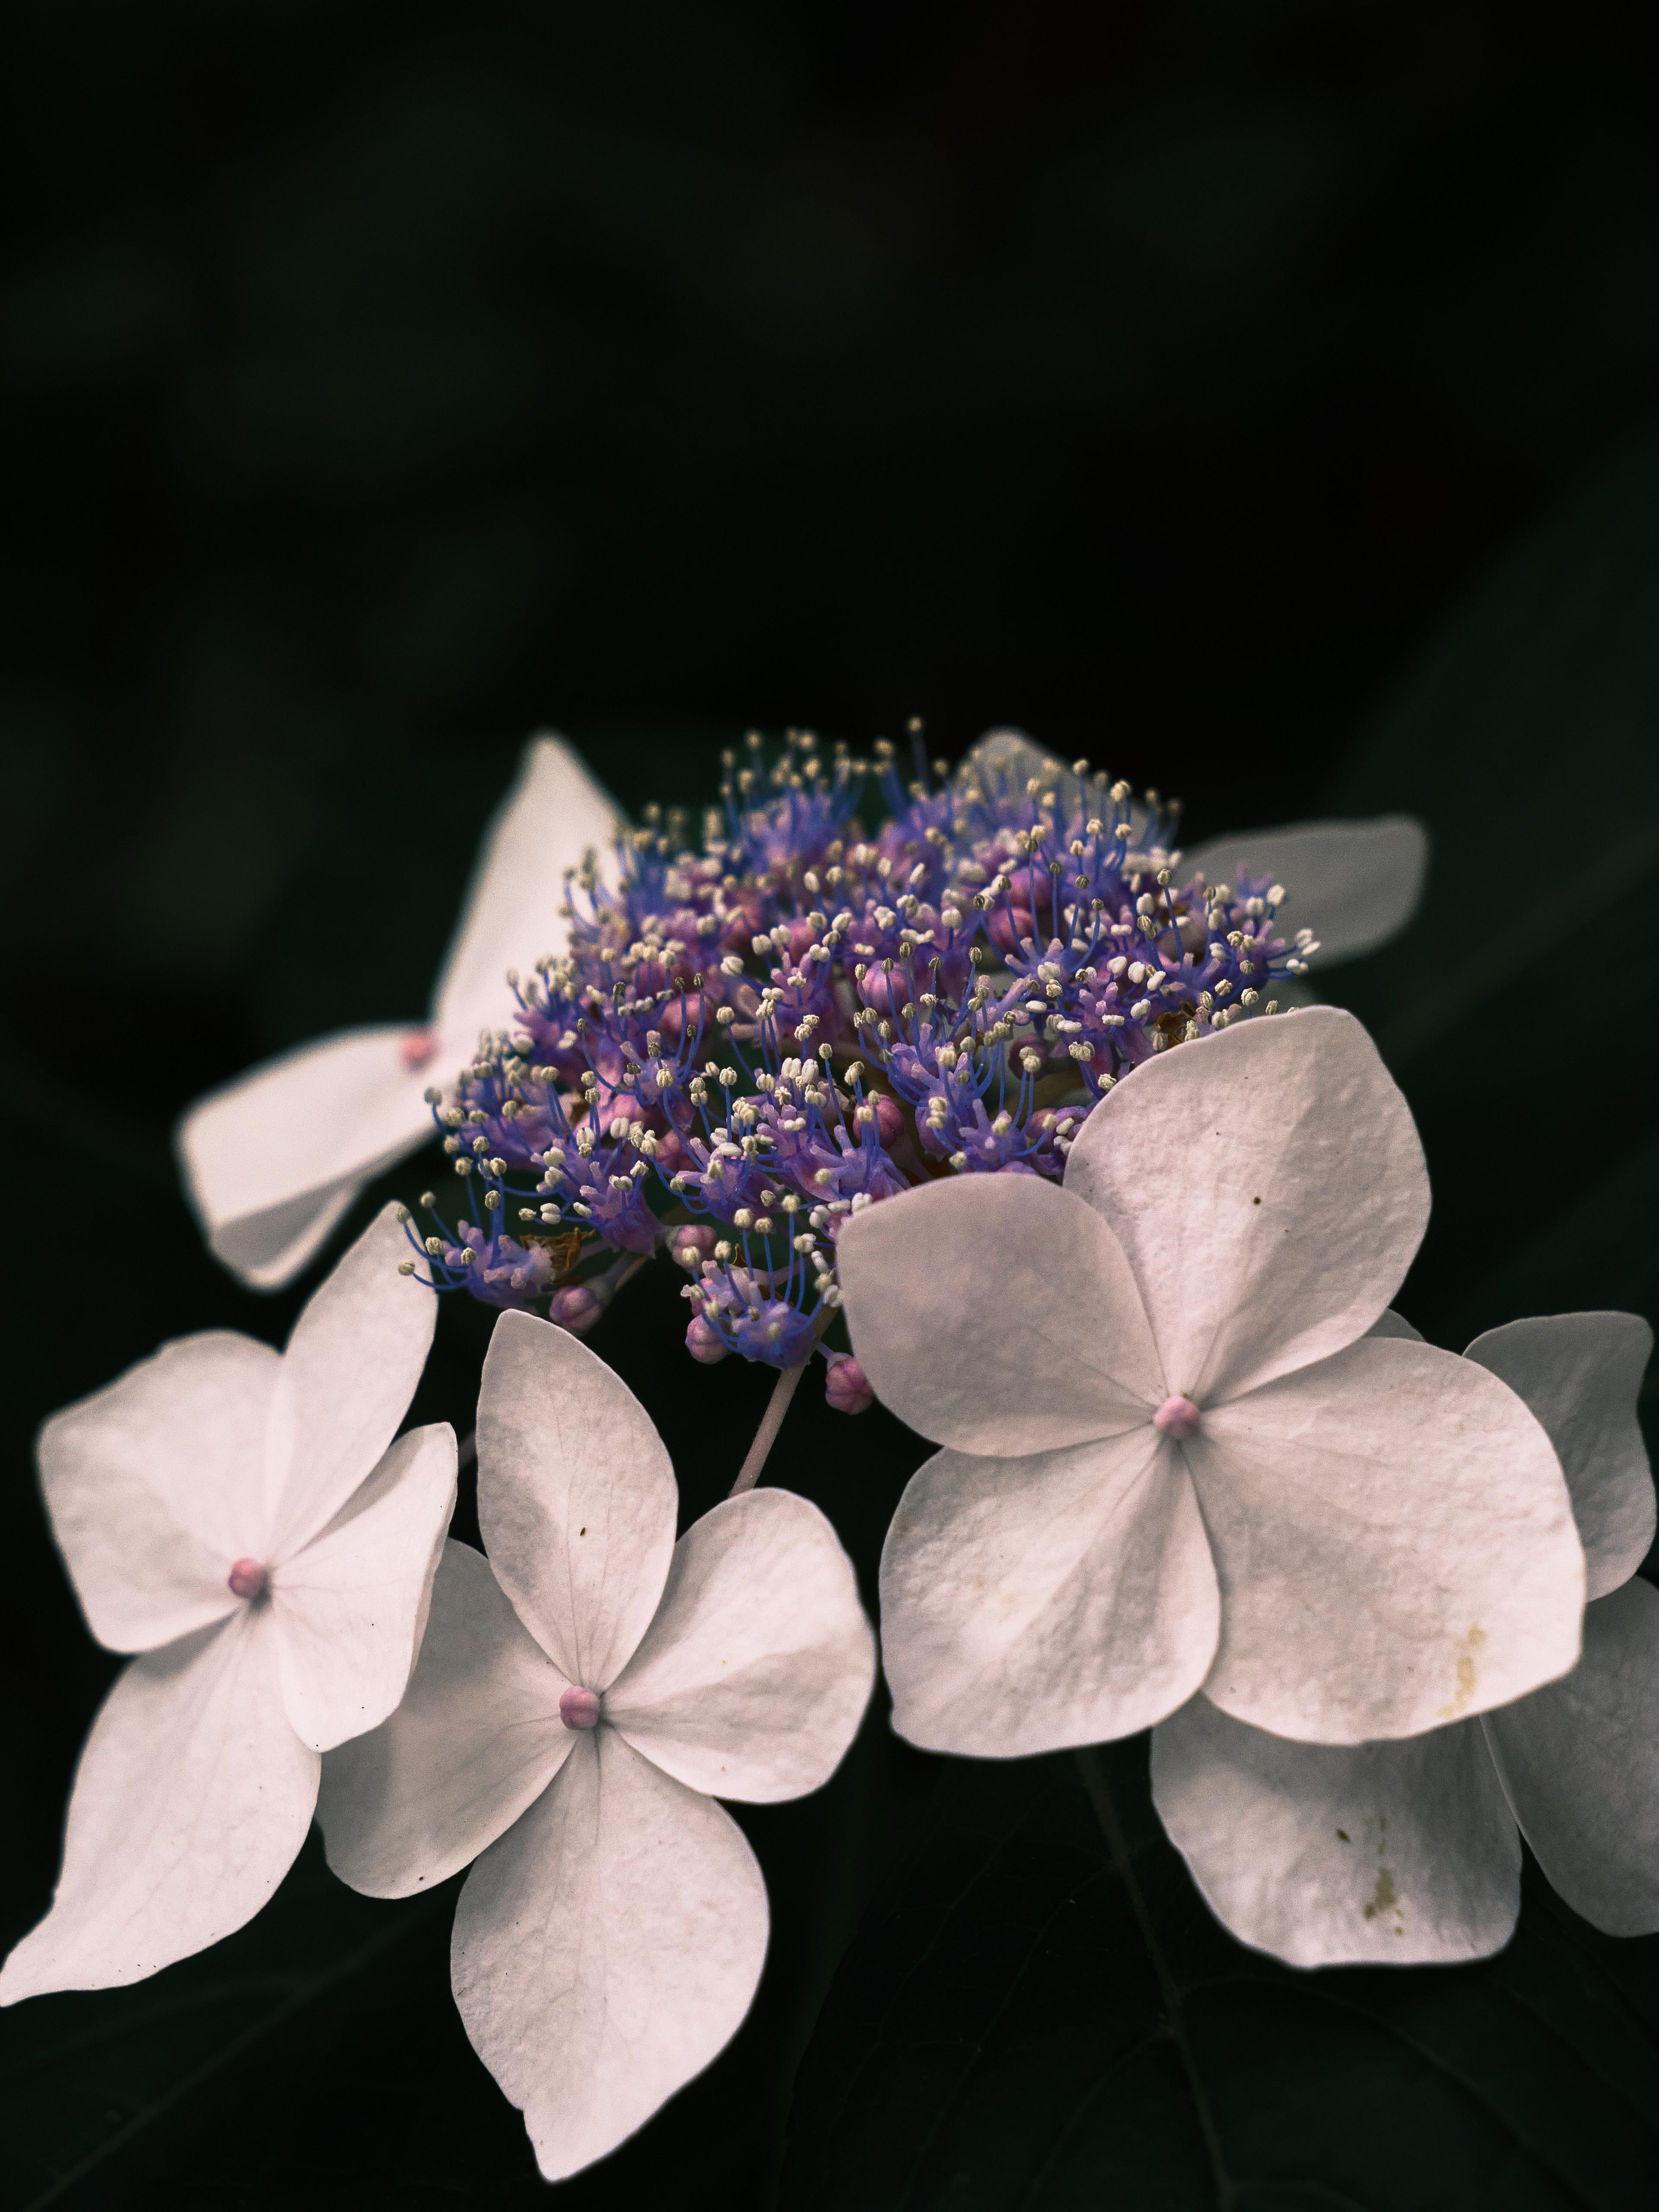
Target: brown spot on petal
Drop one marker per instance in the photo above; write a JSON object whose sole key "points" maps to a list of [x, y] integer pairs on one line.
{"points": [[1467, 1677], [1384, 1898]]}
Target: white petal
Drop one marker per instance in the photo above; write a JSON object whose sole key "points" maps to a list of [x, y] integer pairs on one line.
{"points": [[1580, 1373], [1581, 1763], [754, 1676], [997, 1313], [1327, 1855], [1396, 1325], [1355, 885], [155, 1486], [347, 1377], [576, 1497], [191, 1799], [515, 906], [1058, 1599], [350, 1607], [272, 1161], [476, 1739], [606, 1949], [1268, 1186], [1395, 1543]]}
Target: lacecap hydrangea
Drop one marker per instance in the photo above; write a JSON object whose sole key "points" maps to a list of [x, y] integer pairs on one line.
{"points": [[745, 1045]]}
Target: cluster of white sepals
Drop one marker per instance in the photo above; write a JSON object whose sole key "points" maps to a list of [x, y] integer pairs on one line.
{"points": [[1194, 1476]]}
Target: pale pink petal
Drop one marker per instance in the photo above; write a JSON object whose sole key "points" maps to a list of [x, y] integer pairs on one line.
{"points": [[1268, 1186], [350, 1606], [997, 1313], [272, 1161], [754, 1675], [1580, 1373], [476, 1738], [347, 1377], [606, 1949], [1355, 885], [515, 906], [1394, 1542], [155, 1486], [1580, 1760], [1034, 1602], [191, 1799], [1396, 1325], [1331, 1855], [576, 1497]]}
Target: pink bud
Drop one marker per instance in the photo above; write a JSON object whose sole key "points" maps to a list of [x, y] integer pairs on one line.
{"points": [[574, 1308], [1176, 1417], [882, 991], [703, 1342], [247, 1578], [889, 1120], [1008, 924], [580, 1708], [672, 1157], [692, 1246], [417, 1048], [847, 1388], [679, 1015], [746, 921]]}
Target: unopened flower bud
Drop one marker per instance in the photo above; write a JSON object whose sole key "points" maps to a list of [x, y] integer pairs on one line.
{"points": [[574, 1308], [703, 1341], [846, 1387], [692, 1245]]}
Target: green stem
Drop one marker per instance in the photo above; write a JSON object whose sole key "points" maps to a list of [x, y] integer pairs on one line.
{"points": [[1100, 1797]]}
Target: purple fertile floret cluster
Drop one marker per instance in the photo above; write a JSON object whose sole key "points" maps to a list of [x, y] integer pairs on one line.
{"points": [[743, 1046]]}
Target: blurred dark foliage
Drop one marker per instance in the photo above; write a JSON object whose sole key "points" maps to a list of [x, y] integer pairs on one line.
{"points": [[1260, 398]]}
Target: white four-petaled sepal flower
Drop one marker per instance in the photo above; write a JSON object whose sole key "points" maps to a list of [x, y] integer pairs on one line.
{"points": [[274, 1159], [1408, 1852], [1173, 1460], [243, 1521], [583, 1697]]}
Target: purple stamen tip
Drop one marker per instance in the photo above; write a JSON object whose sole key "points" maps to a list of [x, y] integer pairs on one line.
{"points": [[1176, 1417], [247, 1578], [580, 1708]]}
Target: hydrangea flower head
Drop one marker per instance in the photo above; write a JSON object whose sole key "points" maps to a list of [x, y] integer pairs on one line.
{"points": [[242, 1521], [1173, 1459], [1405, 1852], [802, 1020], [583, 1698]]}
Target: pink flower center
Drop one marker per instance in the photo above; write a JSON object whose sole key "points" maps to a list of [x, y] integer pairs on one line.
{"points": [[417, 1047], [1177, 1418], [248, 1578], [580, 1708]]}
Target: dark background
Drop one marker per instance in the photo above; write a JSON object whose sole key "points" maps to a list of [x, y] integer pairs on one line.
{"points": [[1262, 399]]}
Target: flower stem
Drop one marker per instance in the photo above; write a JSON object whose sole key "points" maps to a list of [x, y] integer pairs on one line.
{"points": [[1098, 1790], [776, 1406], [767, 1435]]}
